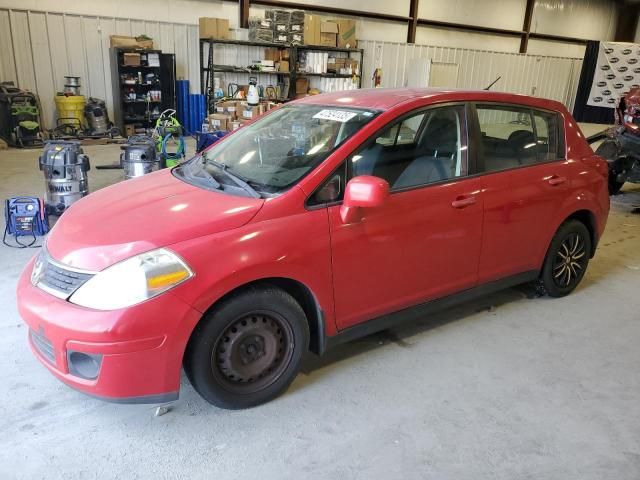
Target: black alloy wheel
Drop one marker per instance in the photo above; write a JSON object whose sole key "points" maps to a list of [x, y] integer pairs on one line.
{"points": [[571, 261], [567, 259]]}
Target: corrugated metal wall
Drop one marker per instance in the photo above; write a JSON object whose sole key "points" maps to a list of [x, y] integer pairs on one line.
{"points": [[542, 76], [37, 49]]}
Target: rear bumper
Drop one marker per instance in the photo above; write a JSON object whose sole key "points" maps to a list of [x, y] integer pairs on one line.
{"points": [[131, 355]]}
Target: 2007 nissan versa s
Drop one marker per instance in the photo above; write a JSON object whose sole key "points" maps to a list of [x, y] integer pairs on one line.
{"points": [[328, 218]]}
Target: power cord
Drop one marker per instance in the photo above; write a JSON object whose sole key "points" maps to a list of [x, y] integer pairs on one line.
{"points": [[19, 244]]}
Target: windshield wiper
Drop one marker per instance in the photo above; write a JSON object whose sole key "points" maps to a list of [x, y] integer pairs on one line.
{"points": [[237, 179], [200, 174]]}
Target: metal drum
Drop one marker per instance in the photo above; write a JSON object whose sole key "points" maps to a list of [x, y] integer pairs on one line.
{"points": [[72, 85], [65, 168], [139, 157]]}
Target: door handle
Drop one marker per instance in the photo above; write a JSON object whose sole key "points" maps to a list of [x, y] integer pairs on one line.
{"points": [[556, 180], [463, 201]]}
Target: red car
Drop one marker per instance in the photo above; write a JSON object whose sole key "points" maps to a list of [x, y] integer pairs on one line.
{"points": [[329, 218]]}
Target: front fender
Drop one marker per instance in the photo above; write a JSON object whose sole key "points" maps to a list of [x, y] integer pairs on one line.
{"points": [[295, 247]]}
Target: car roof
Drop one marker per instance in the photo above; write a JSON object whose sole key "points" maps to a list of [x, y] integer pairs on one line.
{"points": [[386, 98]]}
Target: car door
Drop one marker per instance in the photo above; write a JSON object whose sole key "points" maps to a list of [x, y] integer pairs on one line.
{"points": [[424, 242], [524, 180]]}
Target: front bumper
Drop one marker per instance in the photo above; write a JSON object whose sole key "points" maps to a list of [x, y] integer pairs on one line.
{"points": [[132, 355]]}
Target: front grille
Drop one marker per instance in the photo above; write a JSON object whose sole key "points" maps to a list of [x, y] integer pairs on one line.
{"points": [[43, 345], [61, 281]]}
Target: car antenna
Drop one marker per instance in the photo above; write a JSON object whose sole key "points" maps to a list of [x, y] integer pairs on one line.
{"points": [[493, 83]]}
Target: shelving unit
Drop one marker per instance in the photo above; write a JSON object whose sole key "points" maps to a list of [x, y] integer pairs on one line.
{"points": [[328, 75], [141, 112], [207, 72]]}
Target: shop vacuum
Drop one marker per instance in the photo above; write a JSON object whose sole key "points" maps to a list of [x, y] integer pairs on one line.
{"points": [[95, 112], [65, 168], [139, 156]]}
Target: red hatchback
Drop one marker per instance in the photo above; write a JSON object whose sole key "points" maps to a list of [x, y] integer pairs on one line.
{"points": [[329, 218]]}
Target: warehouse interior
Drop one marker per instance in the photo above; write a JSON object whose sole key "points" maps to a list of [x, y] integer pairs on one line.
{"points": [[512, 384]]}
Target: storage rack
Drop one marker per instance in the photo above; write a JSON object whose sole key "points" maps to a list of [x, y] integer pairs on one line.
{"points": [[136, 112], [207, 72]]}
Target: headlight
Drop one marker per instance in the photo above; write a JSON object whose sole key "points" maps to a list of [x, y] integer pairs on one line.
{"points": [[132, 281], [38, 267]]}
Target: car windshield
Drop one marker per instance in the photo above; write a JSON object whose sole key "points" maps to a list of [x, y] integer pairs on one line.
{"points": [[273, 153]]}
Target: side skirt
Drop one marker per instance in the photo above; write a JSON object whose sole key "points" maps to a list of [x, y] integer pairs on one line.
{"points": [[420, 311]]}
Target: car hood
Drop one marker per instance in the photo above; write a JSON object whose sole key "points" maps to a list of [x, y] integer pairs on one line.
{"points": [[139, 215]]}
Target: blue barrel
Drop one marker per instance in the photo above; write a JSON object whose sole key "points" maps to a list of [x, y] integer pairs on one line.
{"points": [[182, 101], [201, 111], [192, 113]]}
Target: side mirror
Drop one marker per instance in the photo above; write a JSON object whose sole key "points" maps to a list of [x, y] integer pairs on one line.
{"points": [[364, 191]]}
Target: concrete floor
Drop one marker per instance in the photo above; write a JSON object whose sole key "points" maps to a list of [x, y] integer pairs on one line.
{"points": [[506, 387]]}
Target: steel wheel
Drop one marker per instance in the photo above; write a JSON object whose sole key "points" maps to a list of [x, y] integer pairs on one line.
{"points": [[247, 349], [570, 261], [252, 352]]}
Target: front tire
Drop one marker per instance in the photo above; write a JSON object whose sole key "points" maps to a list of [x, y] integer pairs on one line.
{"points": [[567, 259], [248, 349]]}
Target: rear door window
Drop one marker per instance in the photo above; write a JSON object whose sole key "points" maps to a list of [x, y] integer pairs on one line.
{"points": [[513, 136], [507, 137]]}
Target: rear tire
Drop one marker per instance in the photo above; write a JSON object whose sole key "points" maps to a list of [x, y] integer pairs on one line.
{"points": [[248, 349], [567, 259], [614, 184], [610, 150]]}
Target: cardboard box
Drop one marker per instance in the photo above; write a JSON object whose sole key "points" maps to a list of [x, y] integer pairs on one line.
{"points": [[272, 54], [311, 29], [211, 27], [346, 33], [302, 85], [131, 59], [250, 113], [130, 42], [283, 66], [328, 33], [229, 107], [220, 121]]}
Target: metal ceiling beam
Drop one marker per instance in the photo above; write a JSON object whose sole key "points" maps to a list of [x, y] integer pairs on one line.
{"points": [[557, 38], [331, 10], [423, 22], [244, 13], [626, 22], [526, 25], [412, 19], [413, 22]]}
